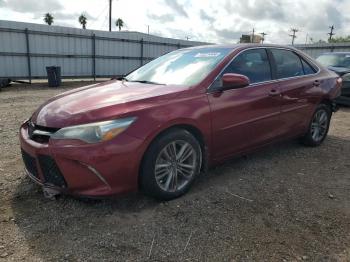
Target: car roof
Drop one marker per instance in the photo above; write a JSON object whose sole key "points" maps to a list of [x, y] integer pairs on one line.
{"points": [[240, 46]]}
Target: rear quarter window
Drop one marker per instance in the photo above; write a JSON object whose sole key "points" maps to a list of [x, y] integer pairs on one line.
{"points": [[308, 69]]}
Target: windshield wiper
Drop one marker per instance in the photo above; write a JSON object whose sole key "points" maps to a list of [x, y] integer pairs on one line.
{"points": [[145, 82], [122, 78]]}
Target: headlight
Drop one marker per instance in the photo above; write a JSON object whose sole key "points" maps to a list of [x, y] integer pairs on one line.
{"points": [[95, 132], [346, 77]]}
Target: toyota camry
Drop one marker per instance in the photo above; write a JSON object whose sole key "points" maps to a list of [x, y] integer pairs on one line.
{"points": [[156, 129]]}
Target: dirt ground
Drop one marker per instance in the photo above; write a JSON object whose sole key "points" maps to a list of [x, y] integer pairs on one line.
{"points": [[284, 203]]}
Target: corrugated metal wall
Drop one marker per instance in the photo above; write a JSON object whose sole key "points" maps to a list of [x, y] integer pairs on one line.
{"points": [[80, 53], [314, 50]]}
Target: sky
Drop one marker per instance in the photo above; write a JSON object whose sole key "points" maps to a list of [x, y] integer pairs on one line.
{"points": [[219, 21]]}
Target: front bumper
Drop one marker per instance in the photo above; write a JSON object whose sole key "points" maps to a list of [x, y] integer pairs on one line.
{"points": [[77, 168]]}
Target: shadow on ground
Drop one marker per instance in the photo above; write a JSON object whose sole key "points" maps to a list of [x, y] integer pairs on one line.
{"points": [[283, 202]]}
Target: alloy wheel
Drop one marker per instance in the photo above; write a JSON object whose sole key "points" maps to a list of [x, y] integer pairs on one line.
{"points": [[319, 125], [175, 166]]}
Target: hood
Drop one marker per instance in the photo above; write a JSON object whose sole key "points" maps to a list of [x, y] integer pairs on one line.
{"points": [[339, 70], [101, 102]]}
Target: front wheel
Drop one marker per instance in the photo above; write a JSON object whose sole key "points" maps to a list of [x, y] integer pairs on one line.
{"points": [[170, 165], [318, 128]]}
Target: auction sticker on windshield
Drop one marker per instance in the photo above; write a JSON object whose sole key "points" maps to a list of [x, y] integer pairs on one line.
{"points": [[211, 54]]}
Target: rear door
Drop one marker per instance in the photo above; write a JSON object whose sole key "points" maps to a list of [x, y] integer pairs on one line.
{"points": [[296, 78], [245, 117]]}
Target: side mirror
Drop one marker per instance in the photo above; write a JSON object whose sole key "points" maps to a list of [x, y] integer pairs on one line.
{"points": [[232, 81]]}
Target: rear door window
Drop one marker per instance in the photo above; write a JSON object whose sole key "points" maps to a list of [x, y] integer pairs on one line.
{"points": [[252, 63], [288, 64]]}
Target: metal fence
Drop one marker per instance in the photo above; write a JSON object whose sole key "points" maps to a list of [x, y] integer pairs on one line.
{"points": [[314, 50], [26, 49]]}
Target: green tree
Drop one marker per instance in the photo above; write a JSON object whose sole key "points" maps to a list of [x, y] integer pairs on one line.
{"points": [[119, 23], [48, 19], [340, 39], [83, 20]]}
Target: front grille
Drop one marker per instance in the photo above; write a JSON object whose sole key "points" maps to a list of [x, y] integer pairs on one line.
{"points": [[51, 172], [40, 134], [42, 139], [30, 164], [31, 128]]}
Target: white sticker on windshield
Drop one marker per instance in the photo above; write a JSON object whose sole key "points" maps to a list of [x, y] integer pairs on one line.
{"points": [[212, 54]]}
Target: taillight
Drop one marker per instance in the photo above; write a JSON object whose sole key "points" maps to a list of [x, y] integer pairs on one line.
{"points": [[339, 81]]}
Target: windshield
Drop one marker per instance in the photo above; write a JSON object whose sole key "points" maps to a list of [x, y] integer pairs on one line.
{"points": [[181, 67], [336, 60]]}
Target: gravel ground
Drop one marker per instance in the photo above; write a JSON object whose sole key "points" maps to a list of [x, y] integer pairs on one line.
{"points": [[285, 202]]}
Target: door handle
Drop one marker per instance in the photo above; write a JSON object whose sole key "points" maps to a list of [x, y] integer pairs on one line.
{"points": [[317, 82], [274, 92]]}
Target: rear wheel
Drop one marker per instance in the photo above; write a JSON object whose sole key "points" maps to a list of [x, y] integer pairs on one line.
{"points": [[170, 165], [319, 126]]}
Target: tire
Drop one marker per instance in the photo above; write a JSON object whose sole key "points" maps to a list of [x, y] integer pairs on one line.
{"points": [[165, 175], [319, 126]]}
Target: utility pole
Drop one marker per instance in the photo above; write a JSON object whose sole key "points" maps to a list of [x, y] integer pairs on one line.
{"points": [[294, 30], [252, 41], [307, 36], [188, 38], [263, 37], [110, 15], [331, 33], [148, 29]]}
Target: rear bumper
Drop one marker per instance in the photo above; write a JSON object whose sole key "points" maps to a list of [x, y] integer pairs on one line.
{"points": [[343, 100], [77, 168], [345, 90]]}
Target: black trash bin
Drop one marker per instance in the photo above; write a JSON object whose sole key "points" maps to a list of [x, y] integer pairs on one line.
{"points": [[54, 75]]}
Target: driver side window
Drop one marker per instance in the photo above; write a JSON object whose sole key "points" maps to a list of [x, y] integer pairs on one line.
{"points": [[253, 63]]}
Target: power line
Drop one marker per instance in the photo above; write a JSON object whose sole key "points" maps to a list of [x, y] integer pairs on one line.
{"points": [[331, 33], [104, 22], [294, 31], [99, 15]]}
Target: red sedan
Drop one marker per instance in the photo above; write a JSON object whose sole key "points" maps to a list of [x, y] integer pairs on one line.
{"points": [[157, 128]]}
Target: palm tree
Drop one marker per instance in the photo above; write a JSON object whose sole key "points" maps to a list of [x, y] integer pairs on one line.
{"points": [[83, 20], [48, 19], [119, 23]]}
